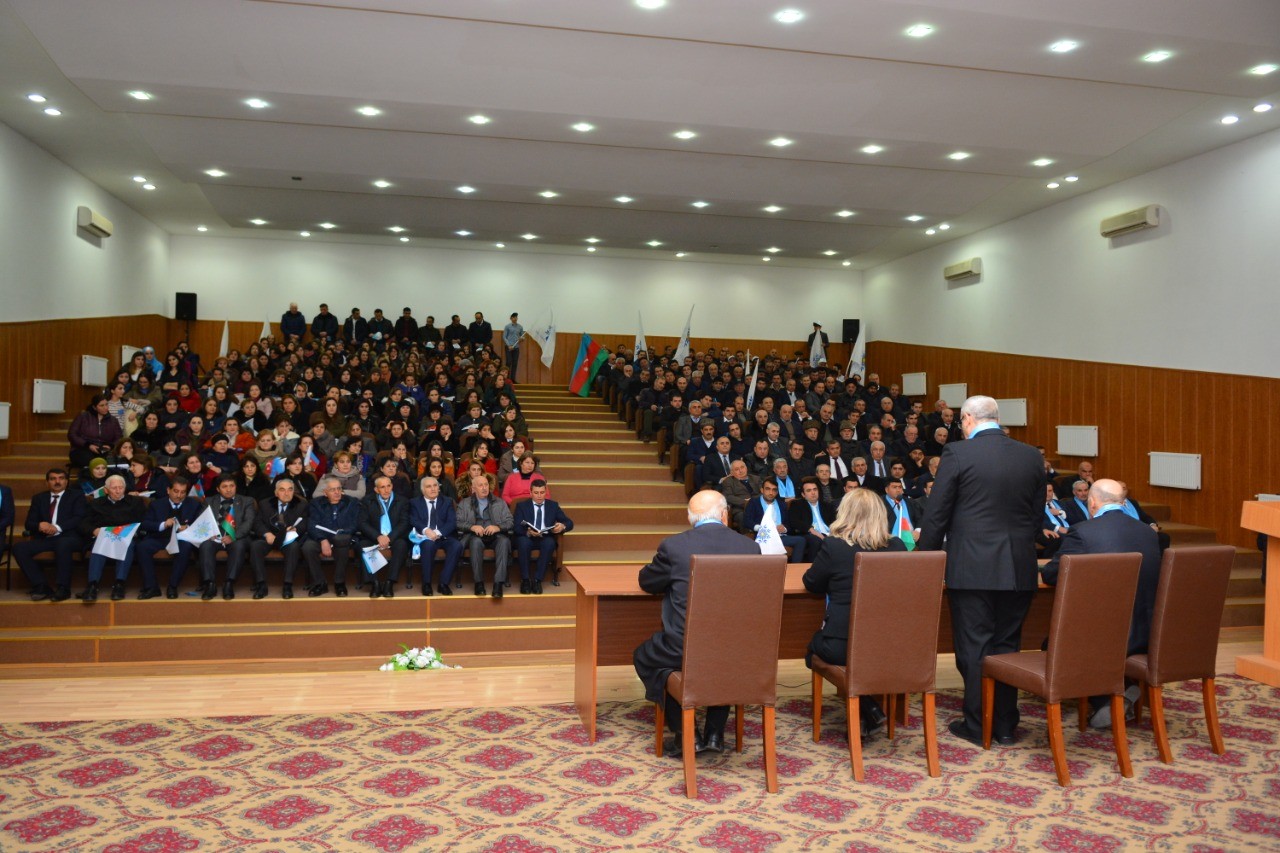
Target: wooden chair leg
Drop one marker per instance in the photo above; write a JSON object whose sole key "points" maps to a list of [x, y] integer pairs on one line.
{"points": [[660, 721], [930, 736], [988, 709], [1211, 716], [770, 753], [891, 713], [1156, 698], [1137, 706], [853, 714], [738, 715], [1082, 713], [687, 732], [902, 709], [817, 707], [1119, 735], [1056, 746]]}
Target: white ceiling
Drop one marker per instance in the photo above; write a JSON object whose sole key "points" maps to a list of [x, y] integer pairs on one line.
{"points": [[846, 76]]}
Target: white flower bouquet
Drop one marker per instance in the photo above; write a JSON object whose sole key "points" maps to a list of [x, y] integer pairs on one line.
{"points": [[414, 659]]}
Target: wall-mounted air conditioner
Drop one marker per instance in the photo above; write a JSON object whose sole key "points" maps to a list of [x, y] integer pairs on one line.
{"points": [[1130, 221], [94, 223], [971, 268]]}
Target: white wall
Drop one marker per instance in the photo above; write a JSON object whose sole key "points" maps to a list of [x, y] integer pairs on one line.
{"points": [[245, 279], [47, 269], [1201, 292]]}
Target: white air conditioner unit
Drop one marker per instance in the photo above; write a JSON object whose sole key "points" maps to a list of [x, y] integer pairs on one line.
{"points": [[94, 223], [1130, 221], [971, 268]]}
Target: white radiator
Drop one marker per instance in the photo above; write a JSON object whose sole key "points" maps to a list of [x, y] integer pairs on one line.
{"points": [[1013, 412], [93, 371], [915, 385], [1077, 440], [49, 397], [1175, 470], [955, 394], [4, 420], [126, 353]]}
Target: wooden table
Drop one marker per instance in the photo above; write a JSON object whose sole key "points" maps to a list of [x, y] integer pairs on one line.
{"points": [[614, 616]]}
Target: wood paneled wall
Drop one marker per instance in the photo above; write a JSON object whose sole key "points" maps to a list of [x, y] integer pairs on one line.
{"points": [[1229, 420]]}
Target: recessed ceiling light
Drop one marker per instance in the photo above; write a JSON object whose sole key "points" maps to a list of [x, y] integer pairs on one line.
{"points": [[258, 221], [959, 155], [256, 103], [829, 252], [304, 233], [463, 233], [789, 16], [549, 194], [404, 239], [36, 98], [139, 95], [872, 149], [624, 199], [593, 239], [654, 243], [773, 208], [138, 179], [215, 173], [846, 263], [943, 227], [382, 185], [148, 186], [1053, 185], [198, 227], [591, 248], [1157, 56], [1264, 69], [766, 260], [528, 236], [466, 190], [1262, 108], [1227, 119], [479, 119], [395, 229], [500, 245], [651, 4], [931, 231], [780, 142], [773, 250], [919, 31], [583, 127], [1064, 46], [680, 254], [700, 204], [52, 111], [1043, 161], [328, 226], [369, 111], [844, 214], [1071, 179], [915, 217], [685, 134]]}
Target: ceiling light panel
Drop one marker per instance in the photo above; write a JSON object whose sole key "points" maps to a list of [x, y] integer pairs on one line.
{"points": [[1264, 69], [1064, 46], [36, 98], [919, 31], [780, 142], [583, 127], [872, 149], [1157, 56], [139, 95], [788, 16], [479, 119], [369, 111], [685, 134], [959, 155], [256, 104]]}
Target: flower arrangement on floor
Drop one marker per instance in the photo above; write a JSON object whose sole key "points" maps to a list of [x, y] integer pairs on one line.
{"points": [[414, 659]]}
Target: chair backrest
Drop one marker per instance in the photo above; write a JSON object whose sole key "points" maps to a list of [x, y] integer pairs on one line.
{"points": [[1188, 612], [1089, 628], [893, 621], [732, 629]]}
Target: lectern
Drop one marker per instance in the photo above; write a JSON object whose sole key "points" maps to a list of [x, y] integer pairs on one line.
{"points": [[1264, 517]]}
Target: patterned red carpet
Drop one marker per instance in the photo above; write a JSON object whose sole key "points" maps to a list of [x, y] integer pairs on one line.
{"points": [[523, 779]]}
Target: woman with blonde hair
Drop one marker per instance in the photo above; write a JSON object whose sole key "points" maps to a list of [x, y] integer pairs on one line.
{"points": [[861, 525]]}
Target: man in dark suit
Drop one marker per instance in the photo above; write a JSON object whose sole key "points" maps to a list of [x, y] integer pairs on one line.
{"points": [[863, 478], [276, 518], [667, 574], [716, 465], [435, 519], [1077, 506], [986, 502], [809, 517], [53, 521], [537, 522], [235, 516], [384, 521], [175, 509], [1111, 531], [332, 519], [114, 509]]}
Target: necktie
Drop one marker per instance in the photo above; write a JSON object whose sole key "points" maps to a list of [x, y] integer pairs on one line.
{"points": [[385, 529], [724, 460], [282, 508], [53, 511], [537, 516], [431, 511], [818, 523]]}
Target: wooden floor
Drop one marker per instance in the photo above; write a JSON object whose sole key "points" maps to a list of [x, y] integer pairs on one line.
{"points": [[157, 691]]}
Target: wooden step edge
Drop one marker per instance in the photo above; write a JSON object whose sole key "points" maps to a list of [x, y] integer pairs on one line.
{"points": [[30, 635]]}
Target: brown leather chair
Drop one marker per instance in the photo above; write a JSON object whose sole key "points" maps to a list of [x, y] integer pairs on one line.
{"points": [[1088, 637], [1184, 635], [732, 628], [893, 643]]}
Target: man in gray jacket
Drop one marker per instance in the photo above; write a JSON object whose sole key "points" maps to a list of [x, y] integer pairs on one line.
{"points": [[485, 521]]}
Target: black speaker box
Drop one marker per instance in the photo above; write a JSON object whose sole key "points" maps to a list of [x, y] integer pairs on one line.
{"points": [[850, 331], [185, 306]]}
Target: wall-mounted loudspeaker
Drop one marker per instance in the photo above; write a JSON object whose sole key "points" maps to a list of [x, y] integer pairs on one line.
{"points": [[850, 331], [184, 306]]}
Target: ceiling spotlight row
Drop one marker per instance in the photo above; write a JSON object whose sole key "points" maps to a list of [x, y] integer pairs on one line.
{"points": [[1232, 118], [37, 98]]}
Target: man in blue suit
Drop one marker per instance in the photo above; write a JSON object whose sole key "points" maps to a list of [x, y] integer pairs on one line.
{"points": [[435, 518], [52, 522], [754, 515], [537, 522], [163, 515]]}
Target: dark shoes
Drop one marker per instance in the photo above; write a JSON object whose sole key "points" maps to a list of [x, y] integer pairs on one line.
{"points": [[90, 595], [259, 591], [208, 591], [375, 590], [62, 593], [117, 591], [318, 589], [171, 593], [537, 587], [427, 588], [480, 589], [340, 590], [389, 589], [153, 592], [959, 729], [497, 590], [525, 587], [228, 591], [710, 742], [41, 593], [445, 589], [287, 592]]}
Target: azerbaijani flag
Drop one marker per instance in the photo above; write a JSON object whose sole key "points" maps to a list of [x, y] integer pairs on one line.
{"points": [[905, 533], [113, 542], [228, 525], [275, 467], [197, 489], [590, 358]]}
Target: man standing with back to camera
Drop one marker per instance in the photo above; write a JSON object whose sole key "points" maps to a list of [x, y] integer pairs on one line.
{"points": [[985, 504]]}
